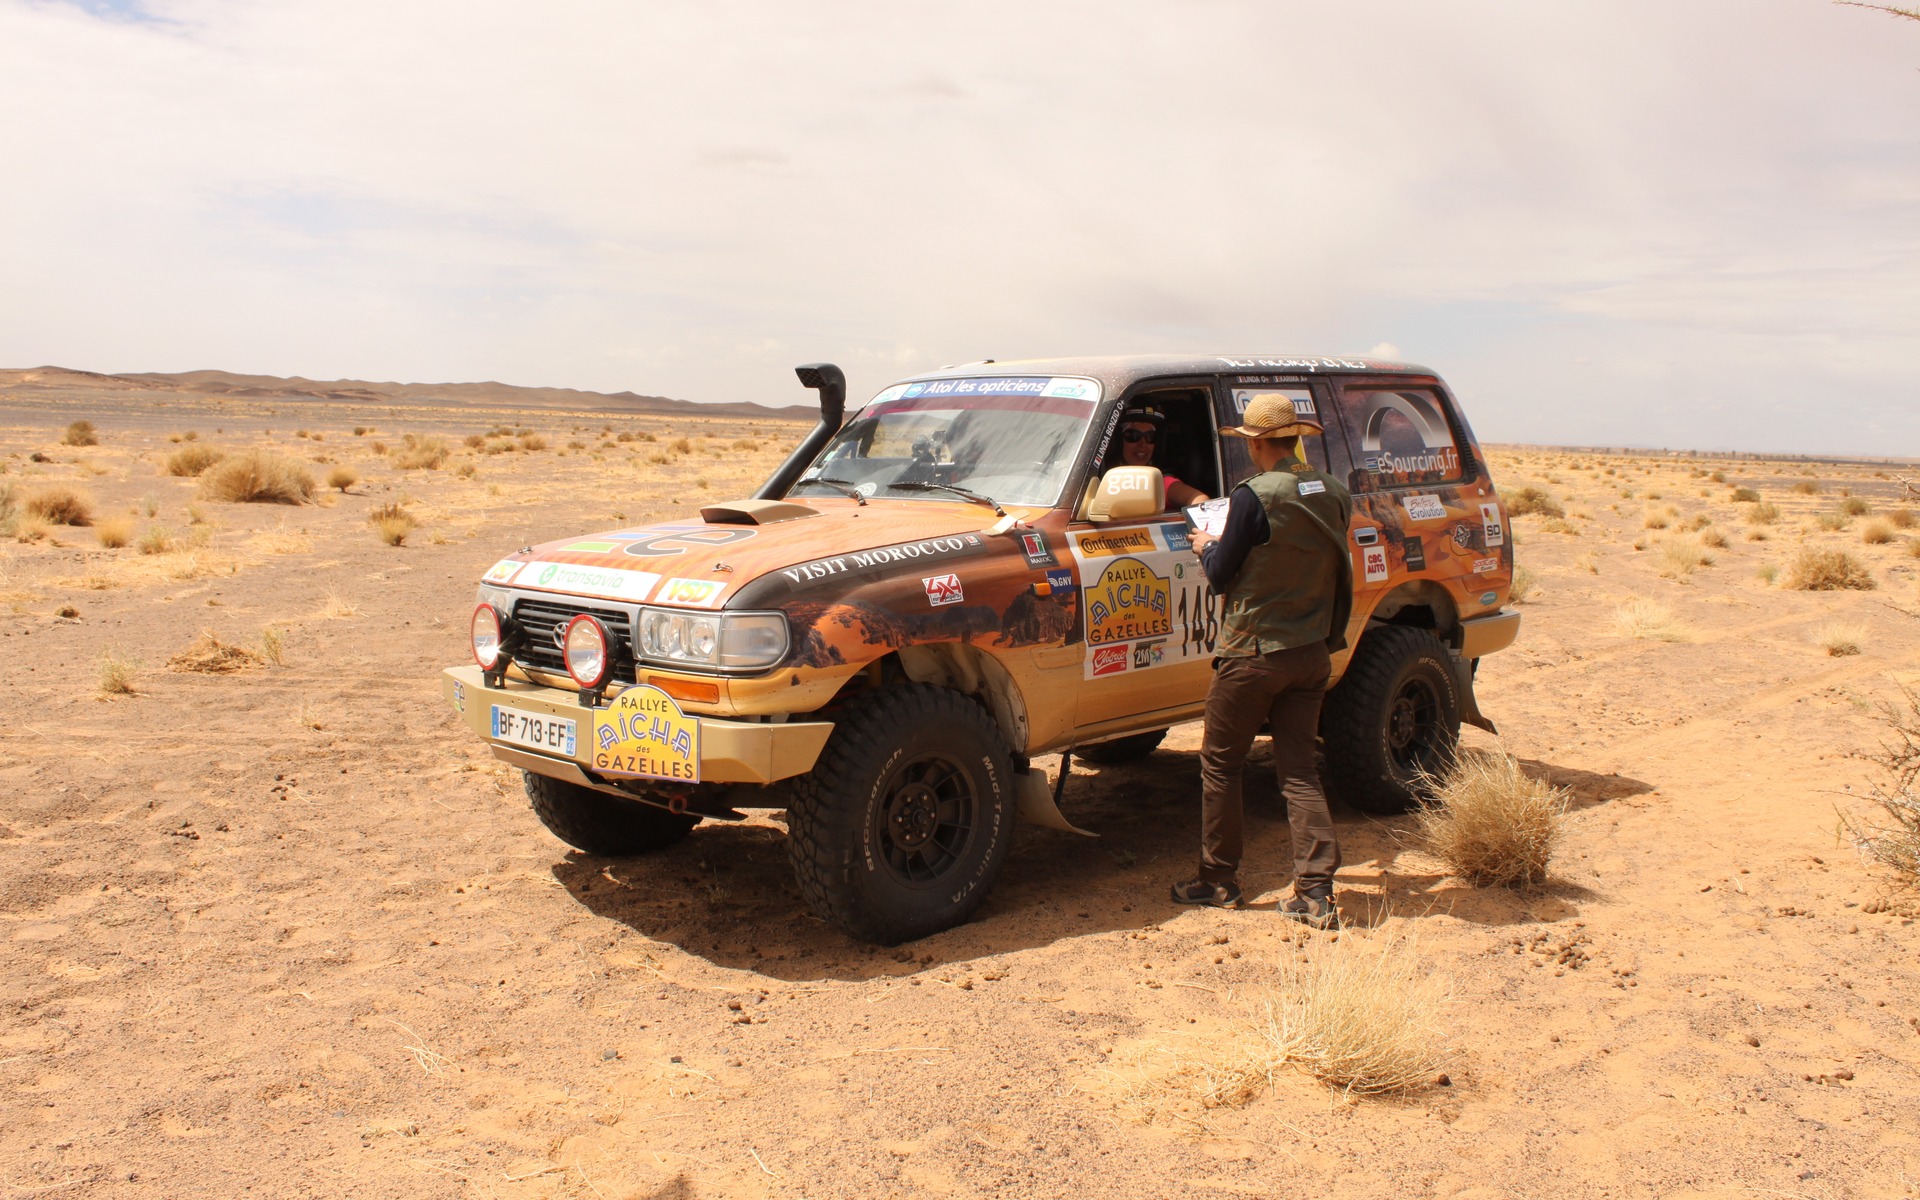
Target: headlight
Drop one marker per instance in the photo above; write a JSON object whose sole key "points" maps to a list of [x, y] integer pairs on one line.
{"points": [[728, 641], [485, 632], [588, 650]]}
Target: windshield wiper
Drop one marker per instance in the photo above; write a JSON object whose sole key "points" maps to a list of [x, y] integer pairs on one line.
{"points": [[915, 485], [838, 485]]}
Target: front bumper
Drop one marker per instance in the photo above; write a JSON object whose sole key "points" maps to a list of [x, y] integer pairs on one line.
{"points": [[729, 751]]}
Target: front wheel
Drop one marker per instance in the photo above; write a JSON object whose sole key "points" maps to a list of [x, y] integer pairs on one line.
{"points": [[902, 825], [600, 823], [1393, 720]]}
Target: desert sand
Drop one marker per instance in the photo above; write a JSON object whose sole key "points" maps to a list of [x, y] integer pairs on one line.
{"points": [[287, 930]]}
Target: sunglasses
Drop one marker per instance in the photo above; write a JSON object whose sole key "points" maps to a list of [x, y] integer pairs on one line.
{"points": [[1139, 435]]}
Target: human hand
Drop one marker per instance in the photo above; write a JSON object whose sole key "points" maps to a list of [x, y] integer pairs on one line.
{"points": [[1201, 540]]}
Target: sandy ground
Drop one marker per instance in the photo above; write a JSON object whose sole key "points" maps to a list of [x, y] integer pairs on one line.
{"points": [[289, 931]]}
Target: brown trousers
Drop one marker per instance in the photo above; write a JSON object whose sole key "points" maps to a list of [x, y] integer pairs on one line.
{"points": [[1284, 689]]}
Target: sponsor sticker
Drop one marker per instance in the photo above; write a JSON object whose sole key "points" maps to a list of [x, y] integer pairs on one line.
{"points": [[1462, 536], [503, 571], [1111, 543], [1073, 389], [1301, 397], [697, 593], [1109, 660], [1482, 565], [861, 560], [1374, 560], [1149, 654], [1128, 602], [1415, 553], [1312, 487], [459, 696], [1490, 521], [664, 541], [1425, 508], [1487, 599], [592, 547], [943, 589], [1038, 553], [1177, 537], [643, 734], [588, 581], [1060, 580]]}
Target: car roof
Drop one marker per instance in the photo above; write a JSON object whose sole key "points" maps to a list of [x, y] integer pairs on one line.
{"points": [[1119, 372]]}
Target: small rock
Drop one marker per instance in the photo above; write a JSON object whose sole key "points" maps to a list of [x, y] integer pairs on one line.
{"points": [[675, 1058], [609, 1055], [1752, 1040], [1444, 1080], [1843, 1073]]}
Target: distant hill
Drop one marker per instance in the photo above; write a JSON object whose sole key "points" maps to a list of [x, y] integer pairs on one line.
{"points": [[66, 381]]}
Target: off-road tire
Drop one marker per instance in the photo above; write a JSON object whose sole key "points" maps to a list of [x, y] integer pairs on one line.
{"points": [[1121, 750], [902, 826], [1394, 715], [600, 823]]}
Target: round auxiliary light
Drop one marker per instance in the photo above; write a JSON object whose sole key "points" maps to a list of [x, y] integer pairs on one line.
{"points": [[589, 651], [485, 631]]}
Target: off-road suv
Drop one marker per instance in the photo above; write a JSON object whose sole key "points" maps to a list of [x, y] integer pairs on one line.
{"points": [[956, 580]]}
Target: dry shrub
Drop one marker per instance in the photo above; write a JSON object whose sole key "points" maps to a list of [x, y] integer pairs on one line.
{"points": [[1763, 513], [342, 478], [1491, 823], [474, 441], [339, 608], [1745, 495], [750, 444], [1696, 522], [1806, 487], [393, 523], [1913, 547], [194, 459], [1832, 522], [80, 433], [1901, 518], [1680, 559], [1854, 506], [158, 539], [377, 447], [1654, 521], [1522, 586], [1827, 571], [61, 506], [1876, 532], [533, 441], [273, 646], [1360, 1014], [1714, 538], [498, 446], [258, 477], [1891, 837], [681, 446], [210, 656], [1649, 620], [1531, 501], [361, 431], [114, 532], [117, 674], [26, 527], [430, 454], [1718, 477], [1839, 638]]}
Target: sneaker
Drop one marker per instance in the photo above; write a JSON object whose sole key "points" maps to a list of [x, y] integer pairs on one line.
{"points": [[1313, 911], [1199, 891]]}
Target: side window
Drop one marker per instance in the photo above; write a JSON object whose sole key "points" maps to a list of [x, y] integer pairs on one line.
{"points": [[1401, 436], [1238, 463], [1180, 437]]}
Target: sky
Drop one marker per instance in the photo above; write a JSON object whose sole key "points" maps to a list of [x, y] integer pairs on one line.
{"points": [[1679, 223]]}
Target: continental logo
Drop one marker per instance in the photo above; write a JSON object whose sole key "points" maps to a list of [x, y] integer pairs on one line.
{"points": [[1128, 602], [1108, 543]]}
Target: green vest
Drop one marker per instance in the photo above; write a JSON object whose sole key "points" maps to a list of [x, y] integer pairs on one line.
{"points": [[1298, 588]]}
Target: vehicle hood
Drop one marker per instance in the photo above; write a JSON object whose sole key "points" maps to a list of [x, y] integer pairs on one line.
{"points": [[695, 564]]}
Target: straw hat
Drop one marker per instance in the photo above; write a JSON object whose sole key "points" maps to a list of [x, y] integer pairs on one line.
{"points": [[1272, 417]]}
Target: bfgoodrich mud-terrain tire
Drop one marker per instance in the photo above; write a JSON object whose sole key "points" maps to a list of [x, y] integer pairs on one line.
{"points": [[1121, 750], [600, 823], [1394, 715], [903, 823]]}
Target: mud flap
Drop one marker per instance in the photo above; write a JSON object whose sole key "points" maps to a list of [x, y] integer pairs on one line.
{"points": [[1463, 672], [1037, 805]]}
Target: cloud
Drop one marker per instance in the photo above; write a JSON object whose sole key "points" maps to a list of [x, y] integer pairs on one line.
{"points": [[688, 199]]}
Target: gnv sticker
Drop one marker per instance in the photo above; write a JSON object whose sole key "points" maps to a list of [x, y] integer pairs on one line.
{"points": [[1490, 519], [1425, 508], [943, 589], [1374, 558]]}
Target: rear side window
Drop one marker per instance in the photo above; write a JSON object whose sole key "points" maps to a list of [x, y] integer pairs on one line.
{"points": [[1239, 463], [1401, 436]]}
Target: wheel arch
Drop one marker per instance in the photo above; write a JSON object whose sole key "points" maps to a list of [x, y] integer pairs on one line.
{"points": [[958, 667], [1422, 604]]}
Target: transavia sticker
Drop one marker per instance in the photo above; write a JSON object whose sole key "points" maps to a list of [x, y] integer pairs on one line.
{"points": [[587, 581], [695, 593], [1495, 528], [1109, 660], [1128, 602], [503, 571], [860, 560], [643, 734], [1374, 559], [1415, 554], [1109, 543], [1425, 508], [943, 589], [1039, 554], [1177, 537], [1482, 565]]}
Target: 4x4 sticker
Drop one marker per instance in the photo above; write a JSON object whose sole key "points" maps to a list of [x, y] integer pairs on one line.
{"points": [[943, 589], [588, 581], [1424, 508], [1038, 553], [1128, 602], [1490, 521]]}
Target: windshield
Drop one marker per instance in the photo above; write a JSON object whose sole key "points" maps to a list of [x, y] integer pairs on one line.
{"points": [[1012, 439]]}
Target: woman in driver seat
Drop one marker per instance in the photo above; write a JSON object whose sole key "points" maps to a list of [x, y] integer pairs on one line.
{"points": [[1140, 430]]}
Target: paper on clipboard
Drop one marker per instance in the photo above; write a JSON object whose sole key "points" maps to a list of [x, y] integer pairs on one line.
{"points": [[1209, 518]]}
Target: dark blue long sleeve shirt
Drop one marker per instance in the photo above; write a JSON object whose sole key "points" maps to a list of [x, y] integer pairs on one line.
{"points": [[1246, 528]]}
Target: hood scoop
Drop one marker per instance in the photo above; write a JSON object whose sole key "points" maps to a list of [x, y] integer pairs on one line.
{"points": [[755, 512]]}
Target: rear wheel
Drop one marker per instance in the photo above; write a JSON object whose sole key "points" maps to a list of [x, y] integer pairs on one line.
{"points": [[1121, 750], [903, 823], [1393, 720], [600, 823]]}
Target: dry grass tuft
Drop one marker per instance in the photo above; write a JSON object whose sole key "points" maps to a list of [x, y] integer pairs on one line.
{"points": [[1361, 1015], [158, 539], [1839, 638], [210, 656], [114, 532], [1531, 501], [342, 478], [1680, 559], [393, 523], [258, 477], [1902, 518], [189, 461], [1649, 620], [1876, 532], [428, 453], [61, 506], [1714, 538], [1854, 506], [117, 674], [1763, 513], [80, 433], [339, 608], [1745, 495], [1806, 487], [1491, 823], [1892, 837], [1522, 587], [273, 646], [533, 441], [1827, 571]]}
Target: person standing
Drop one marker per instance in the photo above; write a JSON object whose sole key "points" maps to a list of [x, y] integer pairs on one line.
{"points": [[1285, 580]]}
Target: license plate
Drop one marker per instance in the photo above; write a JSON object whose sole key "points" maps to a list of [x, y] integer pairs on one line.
{"points": [[535, 731]]}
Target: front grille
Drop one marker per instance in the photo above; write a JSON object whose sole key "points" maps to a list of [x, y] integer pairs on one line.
{"points": [[538, 651]]}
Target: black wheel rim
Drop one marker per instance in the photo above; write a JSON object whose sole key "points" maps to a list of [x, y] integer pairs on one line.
{"points": [[1413, 726], [927, 813]]}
